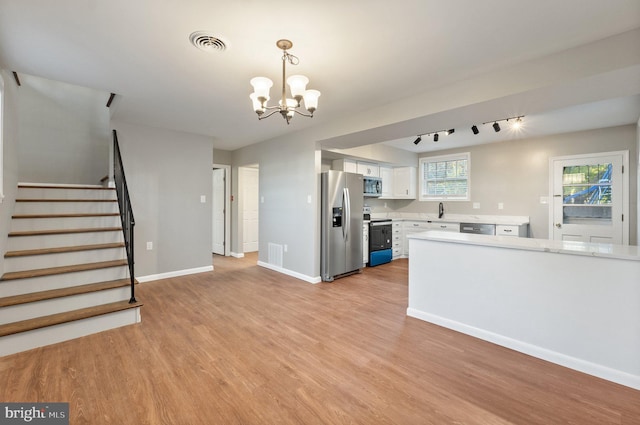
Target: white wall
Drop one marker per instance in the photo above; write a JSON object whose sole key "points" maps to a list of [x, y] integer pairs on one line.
{"points": [[10, 159], [64, 132], [516, 173], [167, 172]]}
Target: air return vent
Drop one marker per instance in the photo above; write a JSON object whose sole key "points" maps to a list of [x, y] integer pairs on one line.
{"points": [[207, 42]]}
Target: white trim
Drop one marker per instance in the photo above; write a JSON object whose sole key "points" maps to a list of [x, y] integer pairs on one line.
{"points": [[580, 365], [441, 158], [30, 184], [176, 273], [227, 207], [237, 254], [288, 272]]}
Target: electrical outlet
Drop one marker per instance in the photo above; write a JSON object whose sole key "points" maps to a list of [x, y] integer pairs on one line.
{"points": [[203, 199], [286, 248], [500, 205], [476, 205], [149, 246]]}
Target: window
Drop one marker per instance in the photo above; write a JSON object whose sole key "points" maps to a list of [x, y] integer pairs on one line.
{"points": [[445, 177]]}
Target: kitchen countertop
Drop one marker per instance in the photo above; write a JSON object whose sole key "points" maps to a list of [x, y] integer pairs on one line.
{"points": [[456, 218], [622, 252]]}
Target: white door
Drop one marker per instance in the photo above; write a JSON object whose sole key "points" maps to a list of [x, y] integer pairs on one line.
{"points": [[250, 217], [590, 194], [219, 196]]}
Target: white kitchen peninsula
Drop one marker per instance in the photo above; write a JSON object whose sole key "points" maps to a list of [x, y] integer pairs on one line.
{"points": [[572, 303]]}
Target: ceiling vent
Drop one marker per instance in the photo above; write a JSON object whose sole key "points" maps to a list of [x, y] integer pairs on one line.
{"points": [[207, 42]]}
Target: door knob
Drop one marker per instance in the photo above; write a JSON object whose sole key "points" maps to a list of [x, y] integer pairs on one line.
{"points": [[558, 225]]}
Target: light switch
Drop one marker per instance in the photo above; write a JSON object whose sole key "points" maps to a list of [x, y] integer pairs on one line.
{"points": [[500, 205], [544, 200], [308, 199], [476, 205], [149, 246], [203, 199]]}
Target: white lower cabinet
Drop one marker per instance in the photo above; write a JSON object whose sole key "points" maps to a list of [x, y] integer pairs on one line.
{"points": [[365, 243], [512, 230], [398, 239]]}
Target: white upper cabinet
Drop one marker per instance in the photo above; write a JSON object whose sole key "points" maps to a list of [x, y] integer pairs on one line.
{"points": [[347, 165], [368, 169], [404, 182], [386, 174]]}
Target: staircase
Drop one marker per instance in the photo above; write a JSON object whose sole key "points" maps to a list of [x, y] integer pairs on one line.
{"points": [[66, 273]]}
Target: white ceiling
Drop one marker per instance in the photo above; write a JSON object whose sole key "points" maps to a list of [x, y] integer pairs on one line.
{"points": [[361, 54]]}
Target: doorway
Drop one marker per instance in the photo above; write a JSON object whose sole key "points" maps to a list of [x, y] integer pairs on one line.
{"points": [[249, 199], [220, 206], [590, 198]]}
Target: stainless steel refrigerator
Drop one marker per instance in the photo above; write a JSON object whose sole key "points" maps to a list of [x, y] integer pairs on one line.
{"points": [[342, 202]]}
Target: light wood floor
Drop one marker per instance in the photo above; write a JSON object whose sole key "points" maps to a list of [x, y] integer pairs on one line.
{"points": [[246, 345]]}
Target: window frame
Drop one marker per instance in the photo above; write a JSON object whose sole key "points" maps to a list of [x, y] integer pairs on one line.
{"points": [[443, 158]]}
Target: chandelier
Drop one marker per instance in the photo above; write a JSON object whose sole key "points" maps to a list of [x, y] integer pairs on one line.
{"points": [[287, 107]]}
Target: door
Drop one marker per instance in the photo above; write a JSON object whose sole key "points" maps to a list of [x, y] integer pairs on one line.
{"points": [[250, 207], [590, 194], [218, 201], [354, 185]]}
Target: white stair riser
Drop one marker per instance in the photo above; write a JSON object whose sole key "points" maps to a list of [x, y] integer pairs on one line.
{"points": [[23, 224], [64, 207], [24, 341], [40, 193], [32, 310], [19, 243], [33, 262], [9, 288]]}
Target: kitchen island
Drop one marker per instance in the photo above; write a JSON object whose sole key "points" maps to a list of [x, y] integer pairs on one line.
{"points": [[572, 303]]}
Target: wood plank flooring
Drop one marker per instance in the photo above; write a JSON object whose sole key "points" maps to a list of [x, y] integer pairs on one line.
{"points": [[246, 345]]}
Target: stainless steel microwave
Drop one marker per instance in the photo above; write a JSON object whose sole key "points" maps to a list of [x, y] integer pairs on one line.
{"points": [[372, 186]]}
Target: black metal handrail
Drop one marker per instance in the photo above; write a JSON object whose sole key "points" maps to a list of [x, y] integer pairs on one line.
{"points": [[126, 211]]}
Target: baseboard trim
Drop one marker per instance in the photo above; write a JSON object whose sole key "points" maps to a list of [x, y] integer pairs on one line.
{"points": [[604, 372], [237, 254], [176, 273], [291, 273]]}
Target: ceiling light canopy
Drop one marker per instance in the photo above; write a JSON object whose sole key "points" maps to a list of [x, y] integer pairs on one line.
{"points": [[287, 107]]}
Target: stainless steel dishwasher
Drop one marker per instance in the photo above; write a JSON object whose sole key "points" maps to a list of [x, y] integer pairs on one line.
{"points": [[478, 228]]}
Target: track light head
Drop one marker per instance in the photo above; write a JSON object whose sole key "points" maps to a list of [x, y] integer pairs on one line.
{"points": [[418, 140], [435, 137], [475, 130], [496, 126], [450, 131]]}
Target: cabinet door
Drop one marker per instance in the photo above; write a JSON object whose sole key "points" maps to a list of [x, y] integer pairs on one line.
{"points": [[368, 169], [404, 182], [386, 174]]}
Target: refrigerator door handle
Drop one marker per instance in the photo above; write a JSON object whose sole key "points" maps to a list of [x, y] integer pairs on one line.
{"points": [[346, 220]]}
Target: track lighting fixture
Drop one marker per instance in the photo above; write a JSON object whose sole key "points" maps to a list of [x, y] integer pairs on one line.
{"points": [[435, 134], [516, 123]]}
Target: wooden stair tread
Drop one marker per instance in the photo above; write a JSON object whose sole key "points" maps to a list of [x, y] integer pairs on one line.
{"points": [[78, 215], [62, 269], [64, 292], [65, 200], [70, 316], [64, 231], [62, 186], [62, 249]]}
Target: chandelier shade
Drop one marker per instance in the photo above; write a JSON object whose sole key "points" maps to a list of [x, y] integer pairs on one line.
{"points": [[287, 107]]}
